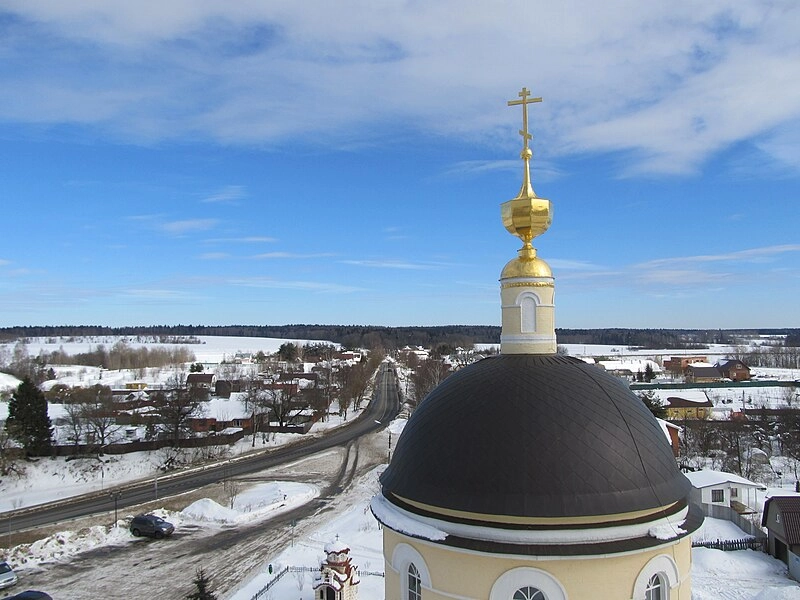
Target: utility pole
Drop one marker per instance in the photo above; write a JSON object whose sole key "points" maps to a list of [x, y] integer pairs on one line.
{"points": [[115, 495]]}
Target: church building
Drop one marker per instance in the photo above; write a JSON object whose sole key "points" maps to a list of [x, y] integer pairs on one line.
{"points": [[532, 475]]}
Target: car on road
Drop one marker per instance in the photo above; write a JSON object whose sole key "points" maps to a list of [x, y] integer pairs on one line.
{"points": [[7, 575], [151, 525], [30, 595]]}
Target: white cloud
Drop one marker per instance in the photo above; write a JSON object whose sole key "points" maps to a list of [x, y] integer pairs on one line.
{"points": [[228, 194], [243, 240], [311, 286], [666, 84], [751, 255], [153, 294], [391, 264], [572, 265], [187, 226], [271, 255]]}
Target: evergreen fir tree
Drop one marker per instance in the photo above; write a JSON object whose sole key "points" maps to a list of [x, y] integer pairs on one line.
{"points": [[202, 584], [27, 421], [649, 374], [653, 403]]}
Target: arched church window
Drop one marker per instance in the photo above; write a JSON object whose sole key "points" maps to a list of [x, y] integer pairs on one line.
{"points": [[414, 583], [527, 305], [655, 590], [529, 593]]}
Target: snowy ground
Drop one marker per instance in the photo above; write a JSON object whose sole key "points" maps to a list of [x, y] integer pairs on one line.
{"points": [[211, 349], [253, 504], [49, 479], [743, 575]]}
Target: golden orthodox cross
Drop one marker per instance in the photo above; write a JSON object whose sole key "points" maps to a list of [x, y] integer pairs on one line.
{"points": [[526, 99]]}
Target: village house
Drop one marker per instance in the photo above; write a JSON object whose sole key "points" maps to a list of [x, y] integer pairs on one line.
{"points": [[781, 517], [685, 404], [733, 369], [678, 364], [717, 488], [701, 373]]}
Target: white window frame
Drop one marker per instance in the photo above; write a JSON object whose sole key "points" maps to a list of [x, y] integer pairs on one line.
{"points": [[402, 556], [512, 581], [663, 566], [528, 303], [413, 594], [656, 584]]}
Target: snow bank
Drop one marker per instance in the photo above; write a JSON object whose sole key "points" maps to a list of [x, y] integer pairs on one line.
{"points": [[256, 502]]}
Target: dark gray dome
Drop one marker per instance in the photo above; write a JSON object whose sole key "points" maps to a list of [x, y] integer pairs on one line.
{"points": [[534, 436]]}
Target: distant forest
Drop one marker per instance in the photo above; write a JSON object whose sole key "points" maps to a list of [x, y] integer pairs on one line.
{"points": [[390, 338]]}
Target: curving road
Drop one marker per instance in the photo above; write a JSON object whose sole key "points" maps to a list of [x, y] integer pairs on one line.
{"points": [[383, 407]]}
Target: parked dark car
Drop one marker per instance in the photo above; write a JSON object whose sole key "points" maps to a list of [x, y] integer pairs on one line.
{"points": [[151, 525], [30, 595], [7, 575]]}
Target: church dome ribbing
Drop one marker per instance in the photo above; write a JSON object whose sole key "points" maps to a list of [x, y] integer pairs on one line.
{"points": [[533, 436]]}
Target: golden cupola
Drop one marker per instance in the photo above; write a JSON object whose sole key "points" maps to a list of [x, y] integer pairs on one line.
{"points": [[526, 283]]}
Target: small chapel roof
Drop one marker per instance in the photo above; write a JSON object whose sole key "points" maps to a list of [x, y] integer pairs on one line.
{"points": [[336, 546]]}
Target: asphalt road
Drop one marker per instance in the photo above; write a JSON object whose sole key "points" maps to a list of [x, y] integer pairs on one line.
{"points": [[383, 407]]}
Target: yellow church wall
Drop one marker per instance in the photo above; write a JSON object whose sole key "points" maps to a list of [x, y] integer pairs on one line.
{"points": [[459, 574]]}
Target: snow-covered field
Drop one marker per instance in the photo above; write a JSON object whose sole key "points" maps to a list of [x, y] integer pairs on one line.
{"points": [[210, 349], [743, 575]]}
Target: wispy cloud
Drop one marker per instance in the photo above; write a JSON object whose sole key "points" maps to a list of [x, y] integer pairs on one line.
{"points": [[145, 218], [680, 277], [541, 170], [665, 84], [153, 293], [278, 255], [242, 240], [4, 262], [310, 286], [751, 255], [573, 265], [228, 195], [187, 226], [391, 264], [214, 256]]}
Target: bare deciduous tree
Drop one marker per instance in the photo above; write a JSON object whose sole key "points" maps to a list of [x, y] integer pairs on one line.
{"points": [[231, 489], [282, 401], [97, 412], [176, 406]]}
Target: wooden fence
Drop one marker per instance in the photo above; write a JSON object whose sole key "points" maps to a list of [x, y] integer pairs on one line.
{"points": [[729, 545], [125, 448]]}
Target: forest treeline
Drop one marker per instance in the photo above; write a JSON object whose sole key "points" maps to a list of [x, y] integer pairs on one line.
{"points": [[390, 338]]}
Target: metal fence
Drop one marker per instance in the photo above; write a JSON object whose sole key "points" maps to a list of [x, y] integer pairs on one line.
{"points": [[725, 512], [267, 587]]}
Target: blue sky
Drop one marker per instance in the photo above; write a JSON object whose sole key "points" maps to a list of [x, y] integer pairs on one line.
{"points": [[271, 162]]}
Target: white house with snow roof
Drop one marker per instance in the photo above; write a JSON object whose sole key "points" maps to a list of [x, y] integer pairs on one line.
{"points": [[717, 488]]}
